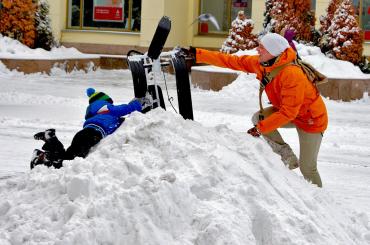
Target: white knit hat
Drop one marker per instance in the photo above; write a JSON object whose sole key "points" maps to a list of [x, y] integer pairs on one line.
{"points": [[274, 43]]}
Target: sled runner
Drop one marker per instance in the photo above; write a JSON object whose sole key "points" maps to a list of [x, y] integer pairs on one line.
{"points": [[159, 38], [138, 77], [183, 87]]}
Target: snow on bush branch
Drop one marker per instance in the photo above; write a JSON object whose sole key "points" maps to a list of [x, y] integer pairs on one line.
{"points": [[240, 35], [17, 20], [27, 22], [344, 36], [290, 14]]}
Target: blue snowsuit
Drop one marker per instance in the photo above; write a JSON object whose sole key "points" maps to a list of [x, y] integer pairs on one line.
{"points": [[102, 119], [105, 117]]}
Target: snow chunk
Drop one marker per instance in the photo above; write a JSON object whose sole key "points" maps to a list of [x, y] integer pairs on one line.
{"points": [[78, 186], [4, 207]]}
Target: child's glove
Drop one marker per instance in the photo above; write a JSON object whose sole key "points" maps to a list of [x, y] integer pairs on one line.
{"points": [[146, 103], [254, 132]]}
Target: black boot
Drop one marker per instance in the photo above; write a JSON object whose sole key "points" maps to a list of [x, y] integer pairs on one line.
{"points": [[45, 135], [38, 157], [43, 157], [54, 152]]}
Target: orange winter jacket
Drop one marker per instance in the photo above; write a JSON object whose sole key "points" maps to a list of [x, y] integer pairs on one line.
{"points": [[290, 92]]}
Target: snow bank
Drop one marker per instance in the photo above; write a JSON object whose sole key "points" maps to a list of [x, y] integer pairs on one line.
{"points": [[13, 49], [163, 180], [246, 86], [332, 68], [212, 68]]}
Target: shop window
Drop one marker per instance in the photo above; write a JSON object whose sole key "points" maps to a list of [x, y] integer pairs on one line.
{"points": [[225, 11], [123, 15], [365, 19]]}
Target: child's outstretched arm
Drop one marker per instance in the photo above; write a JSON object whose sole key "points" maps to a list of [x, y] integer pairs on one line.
{"points": [[124, 109]]}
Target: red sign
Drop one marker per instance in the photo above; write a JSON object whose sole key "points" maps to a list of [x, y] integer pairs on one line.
{"points": [[106, 13], [367, 35]]}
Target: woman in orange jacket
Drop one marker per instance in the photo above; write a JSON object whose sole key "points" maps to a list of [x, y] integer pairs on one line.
{"points": [[295, 101]]}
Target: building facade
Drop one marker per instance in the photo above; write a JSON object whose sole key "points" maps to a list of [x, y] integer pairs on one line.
{"points": [[116, 26]]}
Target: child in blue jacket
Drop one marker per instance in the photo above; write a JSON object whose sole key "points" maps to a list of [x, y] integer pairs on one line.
{"points": [[102, 119]]}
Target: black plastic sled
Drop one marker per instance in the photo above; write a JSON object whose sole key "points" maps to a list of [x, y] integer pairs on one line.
{"points": [[140, 84], [153, 93], [138, 77], [183, 87], [159, 38], [141, 65]]}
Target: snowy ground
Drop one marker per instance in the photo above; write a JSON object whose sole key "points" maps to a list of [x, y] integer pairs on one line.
{"points": [[163, 180]]}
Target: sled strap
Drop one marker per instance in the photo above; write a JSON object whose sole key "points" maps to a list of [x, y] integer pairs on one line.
{"points": [[266, 79], [260, 116]]}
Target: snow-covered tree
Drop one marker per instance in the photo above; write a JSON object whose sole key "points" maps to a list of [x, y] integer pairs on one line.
{"points": [[268, 24], [44, 34], [291, 14], [345, 37], [17, 20], [240, 35], [325, 22]]}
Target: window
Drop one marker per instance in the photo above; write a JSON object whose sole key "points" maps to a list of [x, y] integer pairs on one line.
{"points": [[365, 19], [120, 15], [225, 11], [313, 5], [356, 4]]}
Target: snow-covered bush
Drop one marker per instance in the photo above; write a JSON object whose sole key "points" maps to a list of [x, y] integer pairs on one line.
{"points": [[325, 23], [44, 35], [290, 14], [27, 22], [344, 35], [17, 20], [268, 22], [240, 35]]}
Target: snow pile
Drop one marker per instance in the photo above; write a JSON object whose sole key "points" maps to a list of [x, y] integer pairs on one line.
{"points": [[330, 67], [13, 49], [212, 68], [163, 180], [246, 87]]}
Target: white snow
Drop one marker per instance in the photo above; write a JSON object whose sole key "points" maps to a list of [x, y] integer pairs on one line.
{"points": [[13, 49], [329, 67], [213, 69], [160, 179]]}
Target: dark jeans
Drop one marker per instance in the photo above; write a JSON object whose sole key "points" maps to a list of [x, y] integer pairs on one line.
{"points": [[80, 146]]}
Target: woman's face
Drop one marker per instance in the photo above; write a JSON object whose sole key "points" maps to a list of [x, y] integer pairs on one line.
{"points": [[264, 55]]}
